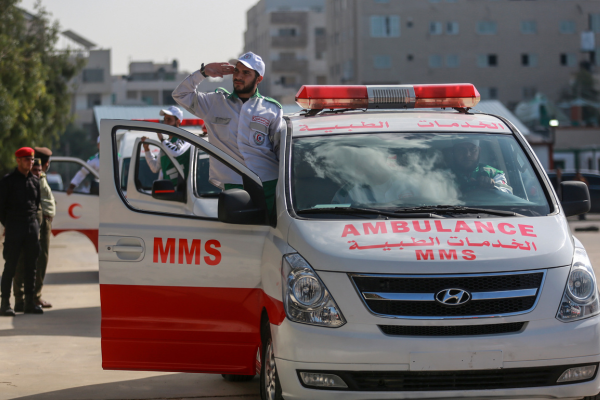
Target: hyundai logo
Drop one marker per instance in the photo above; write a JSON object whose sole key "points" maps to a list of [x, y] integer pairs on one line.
{"points": [[453, 297]]}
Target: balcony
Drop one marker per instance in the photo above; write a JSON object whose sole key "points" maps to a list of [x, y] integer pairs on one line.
{"points": [[290, 65]]}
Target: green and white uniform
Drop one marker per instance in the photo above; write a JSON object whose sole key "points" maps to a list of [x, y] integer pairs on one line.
{"points": [[497, 175], [178, 149]]}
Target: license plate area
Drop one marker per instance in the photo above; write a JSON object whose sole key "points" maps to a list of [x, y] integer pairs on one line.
{"points": [[455, 361]]}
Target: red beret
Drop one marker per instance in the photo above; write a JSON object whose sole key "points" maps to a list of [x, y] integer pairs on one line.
{"points": [[24, 152]]}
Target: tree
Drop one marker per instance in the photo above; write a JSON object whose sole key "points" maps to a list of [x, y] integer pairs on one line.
{"points": [[35, 99], [583, 93]]}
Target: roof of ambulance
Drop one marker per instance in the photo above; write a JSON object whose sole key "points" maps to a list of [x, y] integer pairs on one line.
{"points": [[371, 121]]}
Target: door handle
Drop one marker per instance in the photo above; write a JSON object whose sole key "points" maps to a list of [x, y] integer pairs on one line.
{"points": [[127, 249]]}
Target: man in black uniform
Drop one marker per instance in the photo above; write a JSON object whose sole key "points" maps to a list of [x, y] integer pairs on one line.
{"points": [[20, 198]]}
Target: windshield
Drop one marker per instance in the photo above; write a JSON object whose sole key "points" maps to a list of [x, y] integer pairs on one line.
{"points": [[398, 171]]}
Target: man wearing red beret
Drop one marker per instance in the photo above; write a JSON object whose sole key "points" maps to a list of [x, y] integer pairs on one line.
{"points": [[20, 199]]}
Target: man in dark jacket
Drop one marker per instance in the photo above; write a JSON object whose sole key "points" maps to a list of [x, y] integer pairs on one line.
{"points": [[20, 199]]}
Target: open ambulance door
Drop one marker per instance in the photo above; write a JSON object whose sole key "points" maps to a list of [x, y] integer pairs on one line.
{"points": [[79, 211], [179, 292]]}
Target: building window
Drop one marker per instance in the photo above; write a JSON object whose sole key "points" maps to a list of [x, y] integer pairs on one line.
{"points": [[529, 92], [435, 61], [435, 28], [486, 28], [287, 56], [529, 60], [410, 57], [409, 24], [595, 22], [385, 26], [320, 31], [452, 28], [382, 1], [113, 98], [382, 62], [321, 80], [288, 81], [348, 70], [95, 75], [150, 97], [567, 26], [487, 60], [288, 32], [452, 61], [488, 93], [167, 98], [319, 55], [132, 95], [94, 99], [568, 59], [528, 27]]}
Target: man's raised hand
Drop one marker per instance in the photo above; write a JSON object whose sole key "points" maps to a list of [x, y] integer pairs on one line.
{"points": [[218, 70]]}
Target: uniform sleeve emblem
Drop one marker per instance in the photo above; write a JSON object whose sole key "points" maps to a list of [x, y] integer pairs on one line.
{"points": [[259, 138]]}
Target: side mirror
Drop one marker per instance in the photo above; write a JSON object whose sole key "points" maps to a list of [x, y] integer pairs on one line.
{"points": [[236, 207], [164, 190], [575, 198]]}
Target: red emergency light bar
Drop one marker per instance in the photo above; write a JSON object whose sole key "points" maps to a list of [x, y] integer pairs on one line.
{"points": [[184, 122], [460, 95]]}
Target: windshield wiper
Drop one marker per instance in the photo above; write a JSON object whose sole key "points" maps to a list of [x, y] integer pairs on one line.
{"points": [[358, 210], [459, 210]]}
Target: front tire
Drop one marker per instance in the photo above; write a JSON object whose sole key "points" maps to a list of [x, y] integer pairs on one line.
{"points": [[270, 388]]}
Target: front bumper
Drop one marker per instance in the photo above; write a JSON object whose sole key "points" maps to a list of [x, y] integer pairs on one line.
{"points": [[361, 346]]}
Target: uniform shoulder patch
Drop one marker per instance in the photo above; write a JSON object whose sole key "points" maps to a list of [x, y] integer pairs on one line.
{"points": [[272, 100], [222, 91]]}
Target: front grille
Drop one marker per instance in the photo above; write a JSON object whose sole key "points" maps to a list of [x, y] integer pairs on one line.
{"points": [[461, 330], [493, 283], [406, 296], [433, 309], [412, 381]]}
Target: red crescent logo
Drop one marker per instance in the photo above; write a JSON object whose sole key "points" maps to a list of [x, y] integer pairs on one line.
{"points": [[71, 207]]}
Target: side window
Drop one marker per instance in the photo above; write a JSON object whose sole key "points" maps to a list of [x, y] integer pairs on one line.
{"points": [[62, 173], [204, 189], [161, 172]]}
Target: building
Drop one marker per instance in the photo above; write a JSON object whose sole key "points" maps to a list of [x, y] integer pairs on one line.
{"points": [[290, 36], [92, 86], [577, 148], [509, 49]]}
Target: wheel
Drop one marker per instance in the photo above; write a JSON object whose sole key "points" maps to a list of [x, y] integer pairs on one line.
{"points": [[270, 388], [237, 378]]}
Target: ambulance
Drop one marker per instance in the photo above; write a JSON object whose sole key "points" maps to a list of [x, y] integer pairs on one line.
{"points": [[417, 251]]}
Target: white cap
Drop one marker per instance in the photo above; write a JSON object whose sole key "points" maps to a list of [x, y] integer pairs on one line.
{"points": [[174, 111], [253, 61]]}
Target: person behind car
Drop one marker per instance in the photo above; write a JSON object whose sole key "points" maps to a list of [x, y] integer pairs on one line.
{"points": [[470, 173], [175, 147], [94, 162], [45, 216], [244, 124], [20, 198]]}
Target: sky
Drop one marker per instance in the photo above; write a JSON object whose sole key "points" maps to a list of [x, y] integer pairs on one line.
{"points": [[191, 31]]}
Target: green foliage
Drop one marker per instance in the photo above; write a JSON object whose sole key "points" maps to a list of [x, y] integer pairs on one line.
{"points": [[34, 81]]}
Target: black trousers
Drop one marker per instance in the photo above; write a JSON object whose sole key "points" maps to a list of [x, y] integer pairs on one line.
{"points": [[21, 236]]}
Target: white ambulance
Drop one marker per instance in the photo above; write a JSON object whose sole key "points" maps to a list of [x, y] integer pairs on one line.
{"points": [[414, 253]]}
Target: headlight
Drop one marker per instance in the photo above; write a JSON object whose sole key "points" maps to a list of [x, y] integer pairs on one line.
{"points": [[580, 299], [305, 297]]}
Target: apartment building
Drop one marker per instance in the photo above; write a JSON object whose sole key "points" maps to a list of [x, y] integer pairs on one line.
{"points": [[509, 49], [290, 36]]}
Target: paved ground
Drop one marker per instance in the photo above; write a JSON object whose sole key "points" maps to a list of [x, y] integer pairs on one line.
{"points": [[57, 355]]}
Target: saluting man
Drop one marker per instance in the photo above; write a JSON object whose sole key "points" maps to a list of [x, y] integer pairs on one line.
{"points": [[94, 162], [244, 124], [177, 148], [20, 199]]}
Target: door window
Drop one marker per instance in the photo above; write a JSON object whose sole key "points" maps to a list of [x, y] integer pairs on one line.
{"points": [[167, 173], [62, 173]]}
